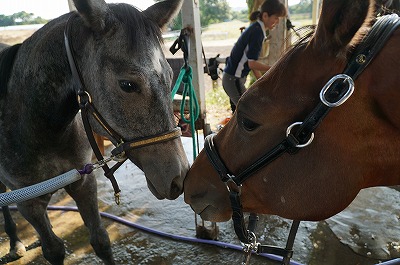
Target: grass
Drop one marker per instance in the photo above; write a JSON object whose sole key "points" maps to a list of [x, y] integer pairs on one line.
{"points": [[217, 106], [224, 30]]}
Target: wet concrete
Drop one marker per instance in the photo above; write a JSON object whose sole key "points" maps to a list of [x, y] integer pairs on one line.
{"points": [[365, 233]]}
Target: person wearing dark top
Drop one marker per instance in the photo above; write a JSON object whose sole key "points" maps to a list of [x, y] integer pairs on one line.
{"points": [[246, 51]]}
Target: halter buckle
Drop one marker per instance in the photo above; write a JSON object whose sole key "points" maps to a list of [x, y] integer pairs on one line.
{"points": [[350, 90], [119, 156]]}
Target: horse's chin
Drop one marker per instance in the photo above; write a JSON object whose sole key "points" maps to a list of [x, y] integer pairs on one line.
{"points": [[154, 190], [159, 196], [213, 214], [149, 184]]}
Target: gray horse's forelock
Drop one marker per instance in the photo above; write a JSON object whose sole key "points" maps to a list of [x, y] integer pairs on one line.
{"points": [[135, 23]]}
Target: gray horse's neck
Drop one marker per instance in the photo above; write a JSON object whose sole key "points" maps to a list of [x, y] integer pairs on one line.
{"points": [[38, 114]]}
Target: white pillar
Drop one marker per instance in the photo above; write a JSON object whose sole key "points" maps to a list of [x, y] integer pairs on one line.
{"points": [[71, 5], [315, 11], [191, 19]]}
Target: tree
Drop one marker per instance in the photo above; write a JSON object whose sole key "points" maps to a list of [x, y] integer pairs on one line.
{"points": [[20, 18], [304, 6], [211, 11], [214, 11], [6, 21]]}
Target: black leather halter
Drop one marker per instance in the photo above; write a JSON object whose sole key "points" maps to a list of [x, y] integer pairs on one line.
{"points": [[86, 107], [333, 94]]}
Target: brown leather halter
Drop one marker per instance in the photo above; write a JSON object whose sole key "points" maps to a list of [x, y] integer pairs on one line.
{"points": [[86, 106], [333, 94]]}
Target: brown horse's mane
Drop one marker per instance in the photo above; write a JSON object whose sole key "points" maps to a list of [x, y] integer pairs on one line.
{"points": [[307, 34]]}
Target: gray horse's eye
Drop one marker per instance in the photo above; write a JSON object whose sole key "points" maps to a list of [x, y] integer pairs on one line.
{"points": [[129, 86]]}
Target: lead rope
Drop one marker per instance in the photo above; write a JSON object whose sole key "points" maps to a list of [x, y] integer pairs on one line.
{"points": [[186, 76]]}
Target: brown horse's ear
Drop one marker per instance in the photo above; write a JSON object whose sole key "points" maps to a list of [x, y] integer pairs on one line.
{"points": [[339, 22], [93, 12], [163, 12]]}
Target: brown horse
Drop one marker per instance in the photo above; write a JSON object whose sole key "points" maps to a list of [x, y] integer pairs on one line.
{"points": [[356, 146]]}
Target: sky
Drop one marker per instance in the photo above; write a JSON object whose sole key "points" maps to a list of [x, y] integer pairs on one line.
{"points": [[53, 8]]}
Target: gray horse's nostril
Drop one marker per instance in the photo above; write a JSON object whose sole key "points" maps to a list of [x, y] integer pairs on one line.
{"points": [[176, 189]]}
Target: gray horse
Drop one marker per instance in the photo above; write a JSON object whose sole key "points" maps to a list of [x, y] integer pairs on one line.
{"points": [[117, 50]]}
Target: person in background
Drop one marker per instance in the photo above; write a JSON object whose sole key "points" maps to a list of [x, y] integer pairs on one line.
{"points": [[246, 51]]}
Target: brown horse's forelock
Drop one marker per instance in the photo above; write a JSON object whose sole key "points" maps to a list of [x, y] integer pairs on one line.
{"points": [[135, 23], [7, 57]]}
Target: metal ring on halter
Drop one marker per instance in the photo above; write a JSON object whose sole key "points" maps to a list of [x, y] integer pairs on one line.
{"points": [[289, 129], [346, 96], [119, 157], [232, 186], [88, 97]]}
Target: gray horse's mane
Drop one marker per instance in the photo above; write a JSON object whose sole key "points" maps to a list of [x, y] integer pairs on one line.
{"points": [[135, 22], [6, 62]]}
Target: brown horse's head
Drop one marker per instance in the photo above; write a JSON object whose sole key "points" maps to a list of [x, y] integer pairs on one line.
{"points": [[356, 146]]}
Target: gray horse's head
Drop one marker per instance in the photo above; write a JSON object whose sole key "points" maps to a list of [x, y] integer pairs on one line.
{"points": [[119, 53]]}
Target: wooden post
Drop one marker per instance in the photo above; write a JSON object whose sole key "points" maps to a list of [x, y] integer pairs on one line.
{"points": [[71, 5], [276, 42], [315, 11], [191, 19]]}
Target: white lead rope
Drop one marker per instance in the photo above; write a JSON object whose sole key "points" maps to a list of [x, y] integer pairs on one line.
{"points": [[39, 189]]}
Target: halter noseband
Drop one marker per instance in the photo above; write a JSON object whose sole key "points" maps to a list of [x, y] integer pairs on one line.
{"points": [[86, 107], [333, 94]]}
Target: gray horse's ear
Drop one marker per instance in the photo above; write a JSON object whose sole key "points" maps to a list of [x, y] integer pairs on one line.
{"points": [[163, 12], [93, 12], [339, 23]]}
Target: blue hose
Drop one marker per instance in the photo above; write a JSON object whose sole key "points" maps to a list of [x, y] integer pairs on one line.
{"points": [[167, 235], [390, 262]]}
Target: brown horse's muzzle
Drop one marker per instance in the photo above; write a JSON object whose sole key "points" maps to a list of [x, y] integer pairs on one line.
{"points": [[207, 196]]}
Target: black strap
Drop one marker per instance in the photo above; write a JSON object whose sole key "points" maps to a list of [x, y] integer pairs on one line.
{"points": [[372, 43], [107, 171], [182, 43], [86, 106], [215, 158], [238, 218]]}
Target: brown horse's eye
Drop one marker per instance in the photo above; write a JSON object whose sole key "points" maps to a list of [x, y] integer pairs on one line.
{"points": [[129, 86], [249, 125]]}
